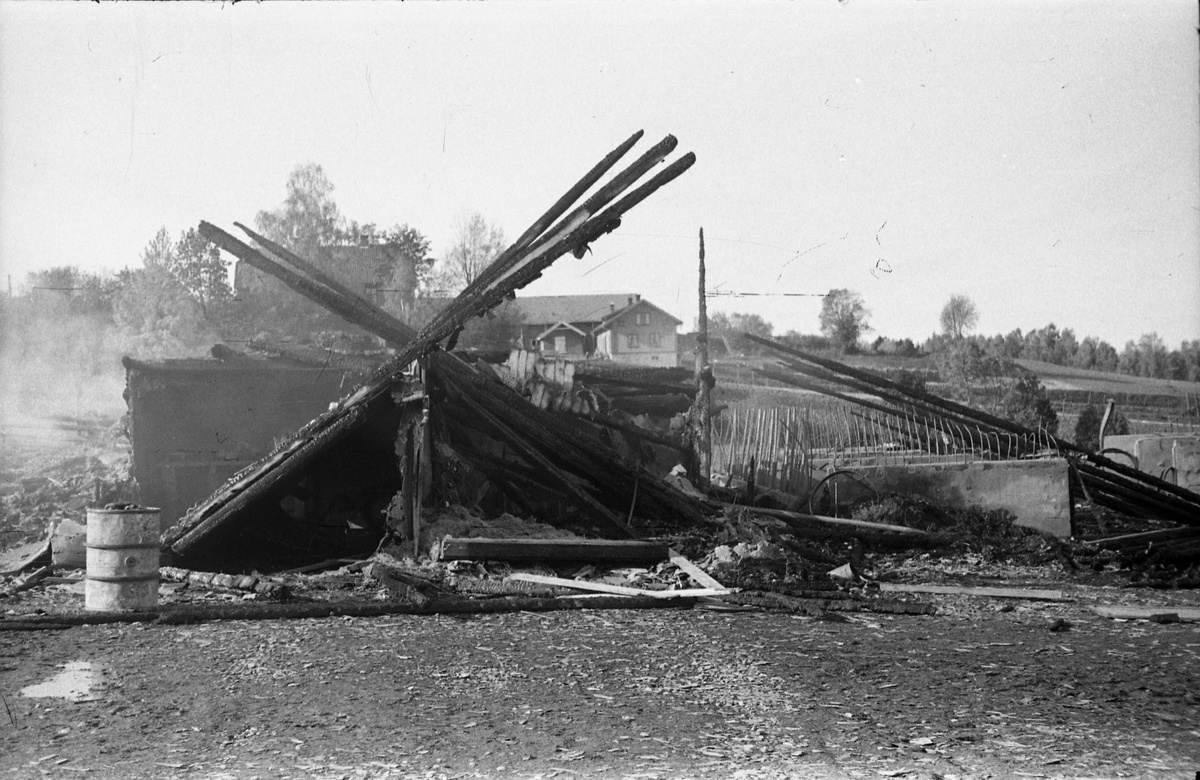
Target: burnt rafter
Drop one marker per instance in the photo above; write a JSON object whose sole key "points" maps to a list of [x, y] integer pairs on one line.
{"points": [[517, 266], [557, 436]]}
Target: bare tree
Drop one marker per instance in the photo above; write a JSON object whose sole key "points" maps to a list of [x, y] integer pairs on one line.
{"points": [[958, 316], [477, 243]]}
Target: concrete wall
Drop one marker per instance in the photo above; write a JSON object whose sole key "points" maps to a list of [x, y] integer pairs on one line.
{"points": [[1034, 491], [1156, 454]]}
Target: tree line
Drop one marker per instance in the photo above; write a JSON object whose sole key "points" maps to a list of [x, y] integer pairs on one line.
{"points": [[844, 320], [179, 299]]}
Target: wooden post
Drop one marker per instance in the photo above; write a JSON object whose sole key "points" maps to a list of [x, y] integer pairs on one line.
{"points": [[1108, 410], [701, 411]]}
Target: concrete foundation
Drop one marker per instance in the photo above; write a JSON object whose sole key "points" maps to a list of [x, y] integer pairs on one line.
{"points": [[1175, 458], [1034, 491]]}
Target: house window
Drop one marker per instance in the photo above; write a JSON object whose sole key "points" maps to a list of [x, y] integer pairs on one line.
{"points": [[560, 343], [654, 339], [642, 318], [632, 341]]}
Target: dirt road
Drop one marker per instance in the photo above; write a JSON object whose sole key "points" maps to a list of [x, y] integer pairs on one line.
{"points": [[974, 692]]}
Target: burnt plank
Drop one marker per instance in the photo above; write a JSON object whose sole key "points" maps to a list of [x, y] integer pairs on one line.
{"points": [[590, 550]]}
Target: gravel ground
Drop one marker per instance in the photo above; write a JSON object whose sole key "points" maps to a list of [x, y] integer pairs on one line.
{"points": [[971, 692]]}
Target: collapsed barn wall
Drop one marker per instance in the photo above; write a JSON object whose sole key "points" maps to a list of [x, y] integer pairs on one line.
{"points": [[195, 423]]}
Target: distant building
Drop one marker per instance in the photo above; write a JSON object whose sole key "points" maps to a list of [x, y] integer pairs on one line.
{"points": [[622, 328], [383, 274]]}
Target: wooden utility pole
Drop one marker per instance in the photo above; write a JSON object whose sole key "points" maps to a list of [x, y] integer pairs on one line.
{"points": [[701, 419]]}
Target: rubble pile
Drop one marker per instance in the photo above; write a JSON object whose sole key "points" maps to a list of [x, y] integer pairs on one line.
{"points": [[40, 490]]}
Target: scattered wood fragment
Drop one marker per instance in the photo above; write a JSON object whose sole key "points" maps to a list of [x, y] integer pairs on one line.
{"points": [[408, 587], [1146, 537], [793, 518], [1185, 614], [245, 583], [332, 563], [592, 550], [601, 587], [955, 590], [701, 577], [29, 580]]}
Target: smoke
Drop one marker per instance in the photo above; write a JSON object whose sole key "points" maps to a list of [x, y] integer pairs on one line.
{"points": [[55, 363], [61, 376]]}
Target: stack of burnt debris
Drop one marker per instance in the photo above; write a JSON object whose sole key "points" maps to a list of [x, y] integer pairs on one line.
{"points": [[570, 446], [936, 425]]}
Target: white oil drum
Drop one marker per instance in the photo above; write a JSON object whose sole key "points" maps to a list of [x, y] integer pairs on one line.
{"points": [[122, 559]]}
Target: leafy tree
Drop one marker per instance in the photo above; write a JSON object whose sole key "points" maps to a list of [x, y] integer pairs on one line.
{"points": [[476, 244], [731, 330], [806, 341], [1095, 355], [958, 316], [972, 375], [197, 265], [909, 380], [901, 348], [844, 318], [1026, 403], [309, 218], [1189, 352], [1087, 427], [309, 224], [158, 316], [1152, 356]]}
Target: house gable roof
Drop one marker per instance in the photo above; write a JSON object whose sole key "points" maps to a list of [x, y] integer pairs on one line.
{"points": [[619, 314], [549, 309], [557, 326]]}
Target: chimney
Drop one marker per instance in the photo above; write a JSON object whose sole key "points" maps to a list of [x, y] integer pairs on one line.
{"points": [[637, 297], [631, 300], [612, 307]]}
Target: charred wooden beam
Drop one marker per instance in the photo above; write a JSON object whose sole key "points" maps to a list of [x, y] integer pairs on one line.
{"points": [[352, 309], [592, 550], [664, 405], [520, 443], [587, 458]]}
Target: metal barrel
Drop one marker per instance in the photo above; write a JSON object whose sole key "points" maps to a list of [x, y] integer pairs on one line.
{"points": [[122, 559]]}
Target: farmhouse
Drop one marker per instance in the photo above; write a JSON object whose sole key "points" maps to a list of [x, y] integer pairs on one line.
{"points": [[623, 328]]}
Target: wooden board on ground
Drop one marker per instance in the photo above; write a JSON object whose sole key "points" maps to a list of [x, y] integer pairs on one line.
{"points": [[620, 590], [590, 550], [701, 577], [1185, 614], [956, 590]]}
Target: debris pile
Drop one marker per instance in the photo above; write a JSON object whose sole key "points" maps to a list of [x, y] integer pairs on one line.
{"points": [[40, 491]]}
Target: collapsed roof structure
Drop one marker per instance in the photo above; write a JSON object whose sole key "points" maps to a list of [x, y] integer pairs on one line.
{"points": [[458, 427]]}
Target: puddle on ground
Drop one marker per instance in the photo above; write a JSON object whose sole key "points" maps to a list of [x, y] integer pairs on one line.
{"points": [[74, 683]]}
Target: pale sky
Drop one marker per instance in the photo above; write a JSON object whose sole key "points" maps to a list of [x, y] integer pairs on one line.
{"points": [[1041, 158]]}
